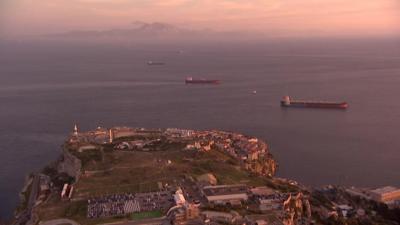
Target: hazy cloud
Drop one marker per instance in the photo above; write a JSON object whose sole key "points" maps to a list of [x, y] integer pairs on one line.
{"points": [[280, 17]]}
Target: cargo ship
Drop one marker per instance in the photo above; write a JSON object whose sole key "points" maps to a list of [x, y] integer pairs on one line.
{"points": [[287, 102], [190, 80], [151, 63]]}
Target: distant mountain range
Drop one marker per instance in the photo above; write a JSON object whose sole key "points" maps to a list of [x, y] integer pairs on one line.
{"points": [[147, 31], [138, 30]]}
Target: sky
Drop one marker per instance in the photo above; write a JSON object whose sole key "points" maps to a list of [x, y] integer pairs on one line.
{"points": [[290, 18]]}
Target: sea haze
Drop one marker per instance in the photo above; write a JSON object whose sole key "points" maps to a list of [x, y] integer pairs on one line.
{"points": [[46, 88]]}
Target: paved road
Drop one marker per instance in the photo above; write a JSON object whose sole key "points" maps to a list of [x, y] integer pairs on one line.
{"points": [[59, 222], [153, 221]]}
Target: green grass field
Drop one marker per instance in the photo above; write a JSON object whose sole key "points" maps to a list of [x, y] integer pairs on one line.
{"points": [[140, 171], [146, 215]]}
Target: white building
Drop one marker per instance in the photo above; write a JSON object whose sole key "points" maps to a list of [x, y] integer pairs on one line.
{"points": [[225, 193]]}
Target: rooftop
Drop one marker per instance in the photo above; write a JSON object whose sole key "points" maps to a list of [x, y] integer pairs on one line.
{"points": [[224, 190]]}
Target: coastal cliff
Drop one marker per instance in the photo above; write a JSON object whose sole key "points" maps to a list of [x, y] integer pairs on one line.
{"points": [[69, 164], [111, 175]]}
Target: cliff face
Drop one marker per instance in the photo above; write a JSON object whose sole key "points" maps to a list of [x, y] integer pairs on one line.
{"points": [[263, 166], [270, 166], [69, 164], [296, 209]]}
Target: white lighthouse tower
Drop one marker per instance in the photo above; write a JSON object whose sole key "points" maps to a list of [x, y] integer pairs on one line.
{"points": [[75, 130]]}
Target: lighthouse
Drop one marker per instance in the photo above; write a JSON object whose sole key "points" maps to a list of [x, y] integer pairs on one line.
{"points": [[75, 130], [111, 135]]}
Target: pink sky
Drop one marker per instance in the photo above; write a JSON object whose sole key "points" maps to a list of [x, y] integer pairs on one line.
{"points": [[274, 17]]}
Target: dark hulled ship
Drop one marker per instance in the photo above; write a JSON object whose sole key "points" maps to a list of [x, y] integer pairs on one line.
{"points": [[190, 80], [287, 102]]}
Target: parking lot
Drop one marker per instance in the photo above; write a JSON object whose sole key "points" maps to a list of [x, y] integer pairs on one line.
{"points": [[121, 204]]}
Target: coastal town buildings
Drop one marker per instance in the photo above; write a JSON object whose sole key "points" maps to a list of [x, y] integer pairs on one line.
{"points": [[386, 194]]}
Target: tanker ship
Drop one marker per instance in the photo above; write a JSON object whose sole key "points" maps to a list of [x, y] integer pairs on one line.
{"points": [[287, 102], [190, 80]]}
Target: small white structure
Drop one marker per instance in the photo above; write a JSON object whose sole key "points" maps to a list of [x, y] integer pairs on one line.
{"points": [[64, 190], [253, 140], [179, 198], [110, 134], [87, 147]]}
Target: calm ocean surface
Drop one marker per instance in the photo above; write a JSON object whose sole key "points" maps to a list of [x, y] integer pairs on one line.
{"points": [[44, 90]]}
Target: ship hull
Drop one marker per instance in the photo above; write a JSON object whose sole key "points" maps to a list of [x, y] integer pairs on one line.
{"points": [[202, 81], [322, 105], [156, 64]]}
